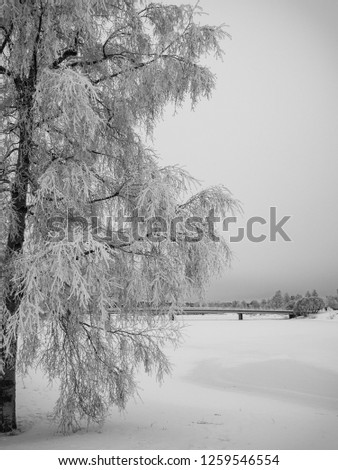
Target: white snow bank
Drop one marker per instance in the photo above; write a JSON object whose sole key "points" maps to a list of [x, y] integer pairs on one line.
{"points": [[326, 315]]}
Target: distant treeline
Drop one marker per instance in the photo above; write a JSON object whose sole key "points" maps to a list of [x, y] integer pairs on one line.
{"points": [[279, 300]]}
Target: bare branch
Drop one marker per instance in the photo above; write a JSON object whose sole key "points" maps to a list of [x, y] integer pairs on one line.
{"points": [[111, 196], [4, 71], [121, 72], [15, 149], [6, 38], [36, 43], [68, 53]]}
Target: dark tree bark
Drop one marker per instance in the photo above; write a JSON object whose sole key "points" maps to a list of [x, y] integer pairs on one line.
{"points": [[25, 90], [8, 394]]}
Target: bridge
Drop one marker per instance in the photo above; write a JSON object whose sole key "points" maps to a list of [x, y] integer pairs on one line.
{"points": [[239, 311]]}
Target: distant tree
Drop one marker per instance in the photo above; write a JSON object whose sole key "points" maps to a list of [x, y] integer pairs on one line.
{"points": [[293, 300], [277, 300], [84, 82], [264, 303], [308, 294], [254, 304], [235, 303], [332, 302], [286, 299], [244, 304], [314, 293], [290, 305], [308, 305]]}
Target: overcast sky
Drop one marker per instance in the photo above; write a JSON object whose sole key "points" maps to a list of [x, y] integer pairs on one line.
{"points": [[270, 134]]}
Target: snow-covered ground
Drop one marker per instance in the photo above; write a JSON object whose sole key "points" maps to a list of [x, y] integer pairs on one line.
{"points": [[261, 383]]}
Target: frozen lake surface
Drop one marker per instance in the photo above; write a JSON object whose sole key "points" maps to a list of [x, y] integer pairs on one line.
{"points": [[261, 383]]}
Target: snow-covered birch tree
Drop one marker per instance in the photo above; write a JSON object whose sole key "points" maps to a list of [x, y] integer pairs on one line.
{"points": [[84, 82]]}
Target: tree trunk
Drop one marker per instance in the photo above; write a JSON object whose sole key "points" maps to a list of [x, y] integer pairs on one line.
{"points": [[3, 223], [7, 374], [8, 395], [15, 240]]}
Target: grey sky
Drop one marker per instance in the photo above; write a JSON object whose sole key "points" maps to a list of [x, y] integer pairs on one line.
{"points": [[270, 134]]}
